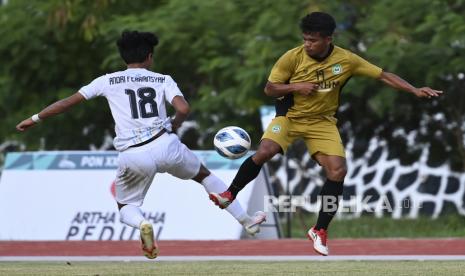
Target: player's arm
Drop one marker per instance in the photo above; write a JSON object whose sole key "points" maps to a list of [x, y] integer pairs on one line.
{"points": [[278, 89], [278, 82], [51, 110], [362, 67], [397, 82], [182, 111]]}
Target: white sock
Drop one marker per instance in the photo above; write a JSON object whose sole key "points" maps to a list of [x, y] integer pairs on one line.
{"points": [[213, 184], [131, 215]]}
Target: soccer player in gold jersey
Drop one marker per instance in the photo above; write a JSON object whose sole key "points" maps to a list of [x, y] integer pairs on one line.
{"points": [[306, 82]]}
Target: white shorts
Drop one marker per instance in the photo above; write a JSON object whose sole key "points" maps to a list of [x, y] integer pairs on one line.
{"points": [[137, 167]]}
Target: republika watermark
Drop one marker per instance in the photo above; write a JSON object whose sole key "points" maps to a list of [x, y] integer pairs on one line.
{"points": [[354, 204]]}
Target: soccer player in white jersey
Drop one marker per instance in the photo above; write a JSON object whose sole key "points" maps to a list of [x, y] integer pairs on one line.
{"points": [[144, 135]]}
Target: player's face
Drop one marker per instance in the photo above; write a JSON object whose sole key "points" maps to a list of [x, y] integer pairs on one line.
{"points": [[316, 45]]}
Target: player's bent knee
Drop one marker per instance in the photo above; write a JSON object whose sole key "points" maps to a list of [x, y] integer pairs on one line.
{"points": [[262, 156], [338, 173], [265, 152], [120, 205]]}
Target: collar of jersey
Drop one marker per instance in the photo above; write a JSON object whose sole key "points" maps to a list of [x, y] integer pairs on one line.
{"points": [[331, 48]]}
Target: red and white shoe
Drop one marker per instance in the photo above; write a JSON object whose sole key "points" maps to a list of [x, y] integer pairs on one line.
{"points": [[222, 200], [252, 224], [319, 238], [149, 245]]}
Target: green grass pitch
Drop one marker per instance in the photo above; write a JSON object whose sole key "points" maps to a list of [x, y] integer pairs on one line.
{"points": [[236, 268]]}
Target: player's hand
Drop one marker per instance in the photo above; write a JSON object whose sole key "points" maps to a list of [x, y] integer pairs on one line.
{"points": [[426, 92], [305, 88], [24, 125]]}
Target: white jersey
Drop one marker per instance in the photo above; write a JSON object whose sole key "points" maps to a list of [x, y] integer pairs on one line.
{"points": [[137, 101]]}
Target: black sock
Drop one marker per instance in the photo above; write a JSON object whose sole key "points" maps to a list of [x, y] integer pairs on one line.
{"points": [[329, 194], [247, 172]]}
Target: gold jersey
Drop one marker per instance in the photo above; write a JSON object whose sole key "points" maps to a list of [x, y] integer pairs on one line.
{"points": [[330, 73]]}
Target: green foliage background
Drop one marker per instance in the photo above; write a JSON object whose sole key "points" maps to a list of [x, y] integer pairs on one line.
{"points": [[221, 51]]}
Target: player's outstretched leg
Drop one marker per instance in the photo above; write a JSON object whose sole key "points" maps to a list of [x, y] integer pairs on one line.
{"points": [[132, 215], [248, 171], [213, 184]]}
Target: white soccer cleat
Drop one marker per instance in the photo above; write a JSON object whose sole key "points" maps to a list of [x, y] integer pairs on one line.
{"points": [[149, 245], [252, 224], [319, 238]]}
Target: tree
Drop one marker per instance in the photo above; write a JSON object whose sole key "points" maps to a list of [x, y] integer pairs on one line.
{"points": [[221, 52], [423, 42], [50, 49]]}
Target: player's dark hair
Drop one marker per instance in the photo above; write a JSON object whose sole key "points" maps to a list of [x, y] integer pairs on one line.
{"points": [[134, 46], [318, 22]]}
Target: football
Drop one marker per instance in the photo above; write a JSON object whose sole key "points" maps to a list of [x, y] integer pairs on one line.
{"points": [[232, 142]]}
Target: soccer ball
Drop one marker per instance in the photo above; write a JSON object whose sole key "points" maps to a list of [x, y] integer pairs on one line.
{"points": [[232, 142]]}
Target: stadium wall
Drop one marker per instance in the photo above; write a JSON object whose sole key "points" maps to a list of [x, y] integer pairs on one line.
{"points": [[70, 196], [375, 183]]}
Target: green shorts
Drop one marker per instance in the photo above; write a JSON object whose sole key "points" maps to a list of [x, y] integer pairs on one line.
{"points": [[320, 134]]}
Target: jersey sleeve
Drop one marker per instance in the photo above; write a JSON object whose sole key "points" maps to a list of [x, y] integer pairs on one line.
{"points": [[283, 69], [362, 67], [93, 89], [171, 89]]}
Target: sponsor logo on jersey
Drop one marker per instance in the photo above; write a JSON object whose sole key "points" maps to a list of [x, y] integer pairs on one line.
{"points": [[276, 128], [337, 69], [327, 86]]}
